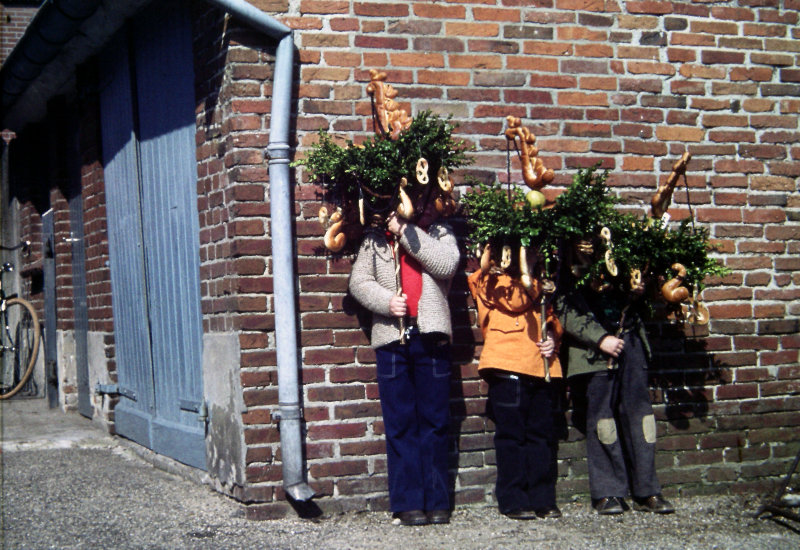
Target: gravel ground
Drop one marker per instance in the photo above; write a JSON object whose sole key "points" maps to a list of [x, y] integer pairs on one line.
{"points": [[109, 498]]}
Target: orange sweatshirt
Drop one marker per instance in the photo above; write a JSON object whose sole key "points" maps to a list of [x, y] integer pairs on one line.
{"points": [[511, 326]]}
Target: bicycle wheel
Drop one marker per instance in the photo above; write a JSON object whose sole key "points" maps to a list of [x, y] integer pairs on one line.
{"points": [[20, 339]]}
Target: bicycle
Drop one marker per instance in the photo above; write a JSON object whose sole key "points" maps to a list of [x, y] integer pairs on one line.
{"points": [[19, 335]]}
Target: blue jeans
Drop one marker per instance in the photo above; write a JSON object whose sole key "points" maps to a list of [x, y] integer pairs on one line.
{"points": [[414, 385], [523, 442]]}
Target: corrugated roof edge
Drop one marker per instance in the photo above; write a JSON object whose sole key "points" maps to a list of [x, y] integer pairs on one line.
{"points": [[61, 36]]}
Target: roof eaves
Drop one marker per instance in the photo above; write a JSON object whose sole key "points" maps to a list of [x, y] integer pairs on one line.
{"points": [[61, 36]]}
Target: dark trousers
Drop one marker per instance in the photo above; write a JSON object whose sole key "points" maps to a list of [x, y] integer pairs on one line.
{"points": [[523, 441], [414, 385], [620, 427]]}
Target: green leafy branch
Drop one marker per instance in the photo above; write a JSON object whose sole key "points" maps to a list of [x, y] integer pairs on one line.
{"points": [[380, 163], [579, 214]]}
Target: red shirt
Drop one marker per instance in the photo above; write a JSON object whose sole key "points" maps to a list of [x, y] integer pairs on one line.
{"points": [[410, 278]]}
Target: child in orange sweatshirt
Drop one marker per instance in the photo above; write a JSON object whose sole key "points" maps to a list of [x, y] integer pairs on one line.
{"points": [[512, 362]]}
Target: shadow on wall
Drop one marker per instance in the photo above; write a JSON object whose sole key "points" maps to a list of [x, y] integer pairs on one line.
{"points": [[30, 179], [682, 377], [680, 373], [468, 419], [247, 55]]}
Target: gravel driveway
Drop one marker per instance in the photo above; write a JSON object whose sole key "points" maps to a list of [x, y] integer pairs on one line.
{"points": [[107, 497]]}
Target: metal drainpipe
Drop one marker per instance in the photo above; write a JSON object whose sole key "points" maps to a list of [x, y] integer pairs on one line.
{"points": [[282, 245]]}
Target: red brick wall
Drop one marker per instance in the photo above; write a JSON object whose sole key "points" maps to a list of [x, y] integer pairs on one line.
{"points": [[95, 236], [28, 171], [233, 71], [98, 275], [233, 94], [39, 181], [629, 84], [58, 160], [37, 185]]}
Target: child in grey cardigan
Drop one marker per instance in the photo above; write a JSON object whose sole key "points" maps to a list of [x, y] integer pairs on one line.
{"points": [[413, 376]]}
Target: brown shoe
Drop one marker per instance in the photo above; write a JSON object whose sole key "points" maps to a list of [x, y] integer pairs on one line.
{"points": [[520, 513], [439, 517], [656, 504], [413, 517], [609, 506], [549, 512]]}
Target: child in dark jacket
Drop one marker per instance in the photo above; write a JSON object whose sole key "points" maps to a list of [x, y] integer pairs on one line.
{"points": [[620, 425]]}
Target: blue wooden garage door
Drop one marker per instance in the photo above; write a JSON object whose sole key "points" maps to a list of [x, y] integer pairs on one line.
{"points": [[148, 126]]}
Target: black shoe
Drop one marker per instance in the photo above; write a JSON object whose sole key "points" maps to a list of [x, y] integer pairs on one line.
{"points": [[549, 512], [656, 504], [413, 517], [609, 506], [439, 517], [520, 513]]}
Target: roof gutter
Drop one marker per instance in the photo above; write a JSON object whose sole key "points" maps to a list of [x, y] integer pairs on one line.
{"points": [[282, 245]]}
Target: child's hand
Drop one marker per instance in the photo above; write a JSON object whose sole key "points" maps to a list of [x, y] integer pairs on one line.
{"points": [[611, 345], [395, 224], [397, 305], [547, 347], [638, 289]]}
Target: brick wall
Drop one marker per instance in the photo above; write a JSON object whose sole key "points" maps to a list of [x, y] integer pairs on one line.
{"points": [[95, 238], [98, 275], [58, 167], [629, 84], [37, 184], [27, 172], [233, 71]]}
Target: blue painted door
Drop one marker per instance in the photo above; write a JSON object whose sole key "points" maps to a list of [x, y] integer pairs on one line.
{"points": [[148, 124], [165, 90], [50, 317]]}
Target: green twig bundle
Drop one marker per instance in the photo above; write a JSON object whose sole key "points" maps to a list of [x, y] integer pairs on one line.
{"points": [[578, 216], [374, 169]]}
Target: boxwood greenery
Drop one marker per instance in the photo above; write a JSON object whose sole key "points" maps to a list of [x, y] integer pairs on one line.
{"points": [[373, 170], [503, 217]]}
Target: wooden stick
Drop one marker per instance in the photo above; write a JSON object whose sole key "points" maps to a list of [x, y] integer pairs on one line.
{"points": [[544, 337], [399, 284], [612, 361]]}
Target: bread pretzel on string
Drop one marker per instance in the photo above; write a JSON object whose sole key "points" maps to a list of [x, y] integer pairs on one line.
{"points": [[662, 198]]}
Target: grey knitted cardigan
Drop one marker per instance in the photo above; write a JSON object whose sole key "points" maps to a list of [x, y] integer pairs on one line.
{"points": [[372, 281]]}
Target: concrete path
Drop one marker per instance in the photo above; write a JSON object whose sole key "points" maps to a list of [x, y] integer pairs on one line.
{"points": [[67, 485], [28, 424]]}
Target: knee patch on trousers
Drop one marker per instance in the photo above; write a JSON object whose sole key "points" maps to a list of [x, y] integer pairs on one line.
{"points": [[649, 428], [607, 431]]}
